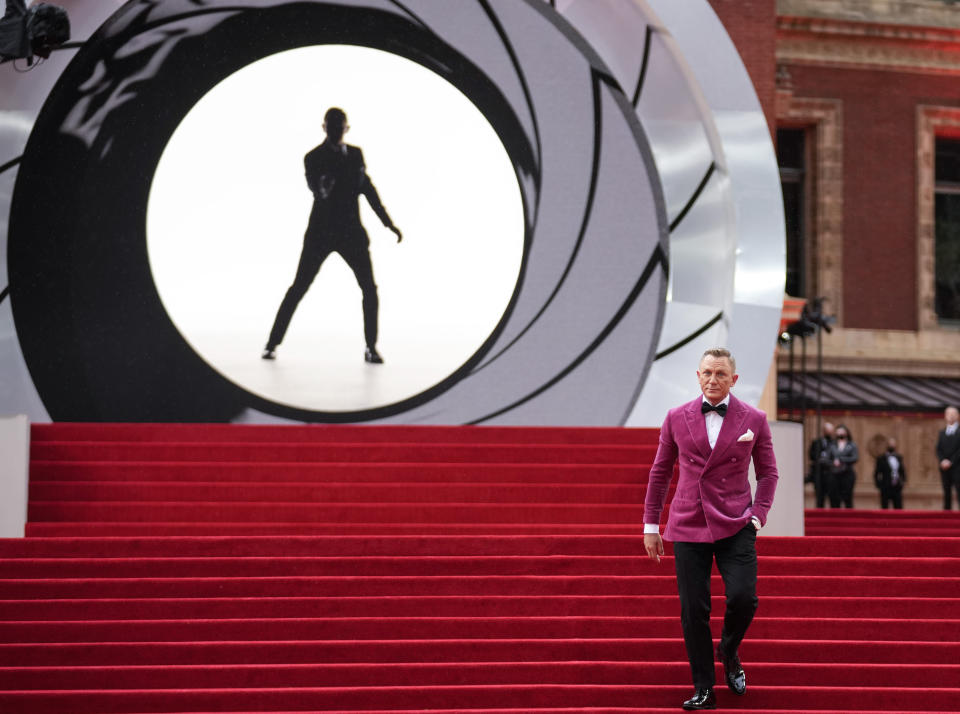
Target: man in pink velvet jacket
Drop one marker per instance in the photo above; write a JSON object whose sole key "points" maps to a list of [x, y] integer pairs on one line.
{"points": [[712, 516]]}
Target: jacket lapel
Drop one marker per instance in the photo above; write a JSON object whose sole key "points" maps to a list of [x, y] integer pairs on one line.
{"points": [[697, 427]]}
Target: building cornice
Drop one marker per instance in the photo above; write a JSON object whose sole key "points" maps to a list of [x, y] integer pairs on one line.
{"points": [[922, 13], [927, 353], [867, 45]]}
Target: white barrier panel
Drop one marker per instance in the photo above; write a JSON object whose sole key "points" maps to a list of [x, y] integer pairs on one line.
{"points": [[786, 515], [15, 447]]}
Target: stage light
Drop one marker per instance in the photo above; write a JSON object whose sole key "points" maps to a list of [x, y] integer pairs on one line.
{"points": [[37, 31]]}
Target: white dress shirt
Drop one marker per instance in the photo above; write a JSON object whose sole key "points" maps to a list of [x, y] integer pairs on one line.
{"points": [[894, 469], [714, 422]]}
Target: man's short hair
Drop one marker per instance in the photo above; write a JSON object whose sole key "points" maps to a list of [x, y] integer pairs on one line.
{"points": [[720, 352], [335, 117]]}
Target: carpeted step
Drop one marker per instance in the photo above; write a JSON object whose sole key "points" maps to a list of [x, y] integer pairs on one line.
{"points": [[327, 472], [363, 452], [877, 522], [581, 710], [578, 649], [652, 672], [433, 434], [877, 515], [434, 628], [100, 529], [336, 492], [346, 545], [463, 697], [903, 532], [662, 583], [464, 606], [190, 512], [438, 565], [491, 544]]}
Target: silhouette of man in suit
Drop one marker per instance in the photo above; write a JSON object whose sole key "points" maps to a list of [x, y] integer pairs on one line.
{"points": [[336, 174]]}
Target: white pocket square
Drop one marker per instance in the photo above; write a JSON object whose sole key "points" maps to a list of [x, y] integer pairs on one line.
{"points": [[747, 436]]}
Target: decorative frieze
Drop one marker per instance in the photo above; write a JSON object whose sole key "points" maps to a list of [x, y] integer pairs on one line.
{"points": [[868, 45]]}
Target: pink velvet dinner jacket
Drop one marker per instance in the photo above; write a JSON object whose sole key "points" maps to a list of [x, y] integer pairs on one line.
{"points": [[712, 500]]}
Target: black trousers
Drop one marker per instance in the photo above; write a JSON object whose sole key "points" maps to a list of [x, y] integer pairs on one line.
{"points": [[950, 480], [840, 489], [820, 486], [357, 256], [736, 558], [891, 495]]}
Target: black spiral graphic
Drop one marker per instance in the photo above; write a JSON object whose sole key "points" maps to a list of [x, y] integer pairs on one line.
{"points": [[96, 291]]}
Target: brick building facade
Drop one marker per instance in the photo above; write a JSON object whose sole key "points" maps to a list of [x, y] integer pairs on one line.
{"points": [[863, 99]]}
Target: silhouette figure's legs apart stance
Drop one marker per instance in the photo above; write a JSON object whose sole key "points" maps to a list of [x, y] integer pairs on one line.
{"points": [[358, 258], [311, 259]]}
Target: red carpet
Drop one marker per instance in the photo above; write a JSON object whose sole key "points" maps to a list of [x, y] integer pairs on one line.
{"points": [[201, 569], [836, 521]]}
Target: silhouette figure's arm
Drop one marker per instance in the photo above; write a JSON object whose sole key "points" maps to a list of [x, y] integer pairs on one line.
{"points": [[312, 174], [373, 198], [15, 8]]}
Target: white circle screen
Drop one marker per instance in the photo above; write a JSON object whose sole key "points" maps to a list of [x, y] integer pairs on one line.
{"points": [[229, 205]]}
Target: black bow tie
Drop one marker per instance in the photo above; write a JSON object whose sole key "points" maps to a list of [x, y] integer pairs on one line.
{"points": [[720, 409]]}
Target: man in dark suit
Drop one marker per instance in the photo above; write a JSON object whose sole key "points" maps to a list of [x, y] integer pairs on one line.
{"points": [[712, 516], [890, 475], [948, 454], [336, 174], [820, 463]]}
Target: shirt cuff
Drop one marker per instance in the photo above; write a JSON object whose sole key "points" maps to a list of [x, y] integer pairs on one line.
{"points": [[651, 528]]}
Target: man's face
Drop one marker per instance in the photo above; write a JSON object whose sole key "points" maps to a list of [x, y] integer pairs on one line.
{"points": [[951, 415], [336, 129], [716, 378], [828, 430]]}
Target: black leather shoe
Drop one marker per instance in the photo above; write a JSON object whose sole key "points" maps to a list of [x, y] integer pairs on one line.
{"points": [[269, 353], [372, 356], [733, 672], [703, 699]]}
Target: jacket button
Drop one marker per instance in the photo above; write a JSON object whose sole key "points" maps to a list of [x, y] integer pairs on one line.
{"points": [[734, 458]]}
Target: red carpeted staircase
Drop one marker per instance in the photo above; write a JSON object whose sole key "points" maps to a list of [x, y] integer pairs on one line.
{"points": [[844, 522], [427, 569]]}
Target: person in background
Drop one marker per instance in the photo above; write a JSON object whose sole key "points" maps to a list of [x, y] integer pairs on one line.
{"points": [[842, 477], [890, 475], [948, 454], [821, 460]]}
